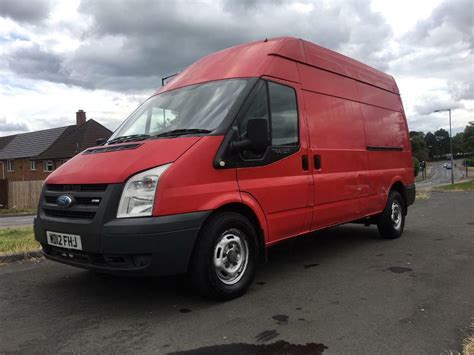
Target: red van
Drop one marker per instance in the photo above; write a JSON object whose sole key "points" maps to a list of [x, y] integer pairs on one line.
{"points": [[247, 147]]}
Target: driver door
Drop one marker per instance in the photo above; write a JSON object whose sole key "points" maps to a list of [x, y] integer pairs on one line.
{"points": [[279, 179]]}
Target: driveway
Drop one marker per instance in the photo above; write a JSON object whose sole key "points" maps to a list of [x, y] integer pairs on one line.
{"points": [[340, 291], [16, 221]]}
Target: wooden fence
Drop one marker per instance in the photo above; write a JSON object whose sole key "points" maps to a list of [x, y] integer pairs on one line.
{"points": [[24, 194], [3, 193]]}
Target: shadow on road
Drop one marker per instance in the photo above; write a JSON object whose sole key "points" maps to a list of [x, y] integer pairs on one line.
{"points": [[89, 290]]}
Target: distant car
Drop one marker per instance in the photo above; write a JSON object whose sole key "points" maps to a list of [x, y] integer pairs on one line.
{"points": [[448, 166]]}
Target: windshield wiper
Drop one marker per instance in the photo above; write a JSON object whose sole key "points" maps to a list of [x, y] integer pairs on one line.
{"points": [[180, 132], [129, 138]]}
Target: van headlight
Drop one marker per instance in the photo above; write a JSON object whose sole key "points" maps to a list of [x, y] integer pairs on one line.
{"points": [[139, 193]]}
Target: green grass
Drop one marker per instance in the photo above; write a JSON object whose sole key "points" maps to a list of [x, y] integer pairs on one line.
{"points": [[422, 195], [13, 211], [462, 186], [15, 240]]}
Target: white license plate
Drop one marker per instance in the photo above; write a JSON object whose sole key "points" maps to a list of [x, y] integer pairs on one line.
{"points": [[63, 240]]}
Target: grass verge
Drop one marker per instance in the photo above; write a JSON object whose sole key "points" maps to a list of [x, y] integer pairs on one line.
{"points": [[422, 195], [468, 345], [13, 211], [462, 186], [16, 240]]}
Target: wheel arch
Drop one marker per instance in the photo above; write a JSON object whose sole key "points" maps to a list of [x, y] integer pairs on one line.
{"points": [[399, 187], [249, 213]]}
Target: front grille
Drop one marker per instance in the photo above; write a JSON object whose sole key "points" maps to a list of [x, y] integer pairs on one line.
{"points": [[68, 214], [86, 199], [83, 187], [94, 201]]}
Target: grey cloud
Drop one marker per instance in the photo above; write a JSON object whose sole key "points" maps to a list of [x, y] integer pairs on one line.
{"points": [[430, 103], [131, 45], [455, 15], [442, 46], [6, 126], [32, 11], [35, 63]]}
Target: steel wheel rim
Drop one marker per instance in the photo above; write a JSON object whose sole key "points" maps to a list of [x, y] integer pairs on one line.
{"points": [[396, 215], [230, 258]]}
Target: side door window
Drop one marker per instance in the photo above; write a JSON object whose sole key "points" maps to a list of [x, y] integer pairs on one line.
{"points": [[257, 109], [284, 115], [276, 103]]}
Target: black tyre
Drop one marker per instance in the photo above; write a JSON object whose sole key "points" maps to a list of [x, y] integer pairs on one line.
{"points": [[391, 221], [225, 257]]}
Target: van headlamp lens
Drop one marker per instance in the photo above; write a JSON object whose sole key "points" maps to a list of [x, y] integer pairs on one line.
{"points": [[139, 193]]}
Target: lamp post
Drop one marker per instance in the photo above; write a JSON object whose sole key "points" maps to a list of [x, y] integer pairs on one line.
{"points": [[450, 142]]}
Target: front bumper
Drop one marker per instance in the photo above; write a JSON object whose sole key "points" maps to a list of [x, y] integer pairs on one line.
{"points": [[135, 246]]}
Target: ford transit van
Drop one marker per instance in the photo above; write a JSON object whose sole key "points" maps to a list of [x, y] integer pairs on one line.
{"points": [[245, 148]]}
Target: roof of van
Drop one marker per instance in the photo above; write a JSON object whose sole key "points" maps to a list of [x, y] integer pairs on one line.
{"points": [[248, 60]]}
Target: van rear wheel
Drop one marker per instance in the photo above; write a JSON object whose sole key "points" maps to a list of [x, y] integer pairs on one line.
{"points": [[391, 221], [225, 257]]}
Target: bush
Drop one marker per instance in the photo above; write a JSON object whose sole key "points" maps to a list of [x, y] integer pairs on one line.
{"points": [[416, 166], [470, 162]]}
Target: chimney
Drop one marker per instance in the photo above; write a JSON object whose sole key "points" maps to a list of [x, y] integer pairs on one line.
{"points": [[80, 118]]}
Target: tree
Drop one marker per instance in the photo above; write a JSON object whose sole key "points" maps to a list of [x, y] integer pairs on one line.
{"points": [[431, 145], [418, 145], [442, 141], [458, 146], [468, 138]]}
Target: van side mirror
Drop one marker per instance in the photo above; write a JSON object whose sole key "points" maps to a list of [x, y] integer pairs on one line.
{"points": [[100, 141], [257, 136]]}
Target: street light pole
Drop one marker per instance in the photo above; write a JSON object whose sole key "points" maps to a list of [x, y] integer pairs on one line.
{"points": [[450, 142]]}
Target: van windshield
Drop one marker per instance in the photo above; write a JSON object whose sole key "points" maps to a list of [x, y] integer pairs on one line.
{"points": [[192, 109]]}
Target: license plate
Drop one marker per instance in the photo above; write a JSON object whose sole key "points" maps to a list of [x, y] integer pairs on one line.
{"points": [[63, 240]]}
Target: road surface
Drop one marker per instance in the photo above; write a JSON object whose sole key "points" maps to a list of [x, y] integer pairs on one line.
{"points": [[438, 175], [341, 291], [16, 221]]}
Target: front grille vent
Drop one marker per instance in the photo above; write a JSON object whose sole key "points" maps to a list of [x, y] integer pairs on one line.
{"points": [[112, 148], [69, 214], [84, 187], [86, 200]]}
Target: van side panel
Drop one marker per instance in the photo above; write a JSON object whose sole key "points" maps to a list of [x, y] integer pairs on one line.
{"points": [[389, 153], [336, 131], [378, 97]]}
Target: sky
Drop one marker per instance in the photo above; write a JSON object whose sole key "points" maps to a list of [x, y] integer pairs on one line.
{"points": [[108, 56]]}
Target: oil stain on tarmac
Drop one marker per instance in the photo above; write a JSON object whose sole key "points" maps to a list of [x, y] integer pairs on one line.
{"points": [[267, 335], [281, 318], [279, 348], [399, 269]]}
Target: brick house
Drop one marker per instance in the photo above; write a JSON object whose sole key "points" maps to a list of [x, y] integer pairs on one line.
{"points": [[33, 156]]}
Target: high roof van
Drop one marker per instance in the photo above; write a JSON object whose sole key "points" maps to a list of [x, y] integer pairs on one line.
{"points": [[247, 147]]}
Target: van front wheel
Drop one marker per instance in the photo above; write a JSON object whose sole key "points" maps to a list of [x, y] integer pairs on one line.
{"points": [[225, 257], [392, 220]]}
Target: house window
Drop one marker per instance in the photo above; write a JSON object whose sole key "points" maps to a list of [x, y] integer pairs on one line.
{"points": [[32, 165], [10, 166], [48, 166]]}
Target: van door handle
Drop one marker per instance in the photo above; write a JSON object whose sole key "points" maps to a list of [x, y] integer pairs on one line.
{"points": [[317, 162], [304, 162]]}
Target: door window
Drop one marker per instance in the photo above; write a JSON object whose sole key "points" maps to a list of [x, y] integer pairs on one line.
{"points": [[284, 115], [258, 109]]}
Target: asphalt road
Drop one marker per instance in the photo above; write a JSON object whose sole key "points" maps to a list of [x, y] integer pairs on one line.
{"points": [[16, 221], [340, 291], [438, 175]]}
